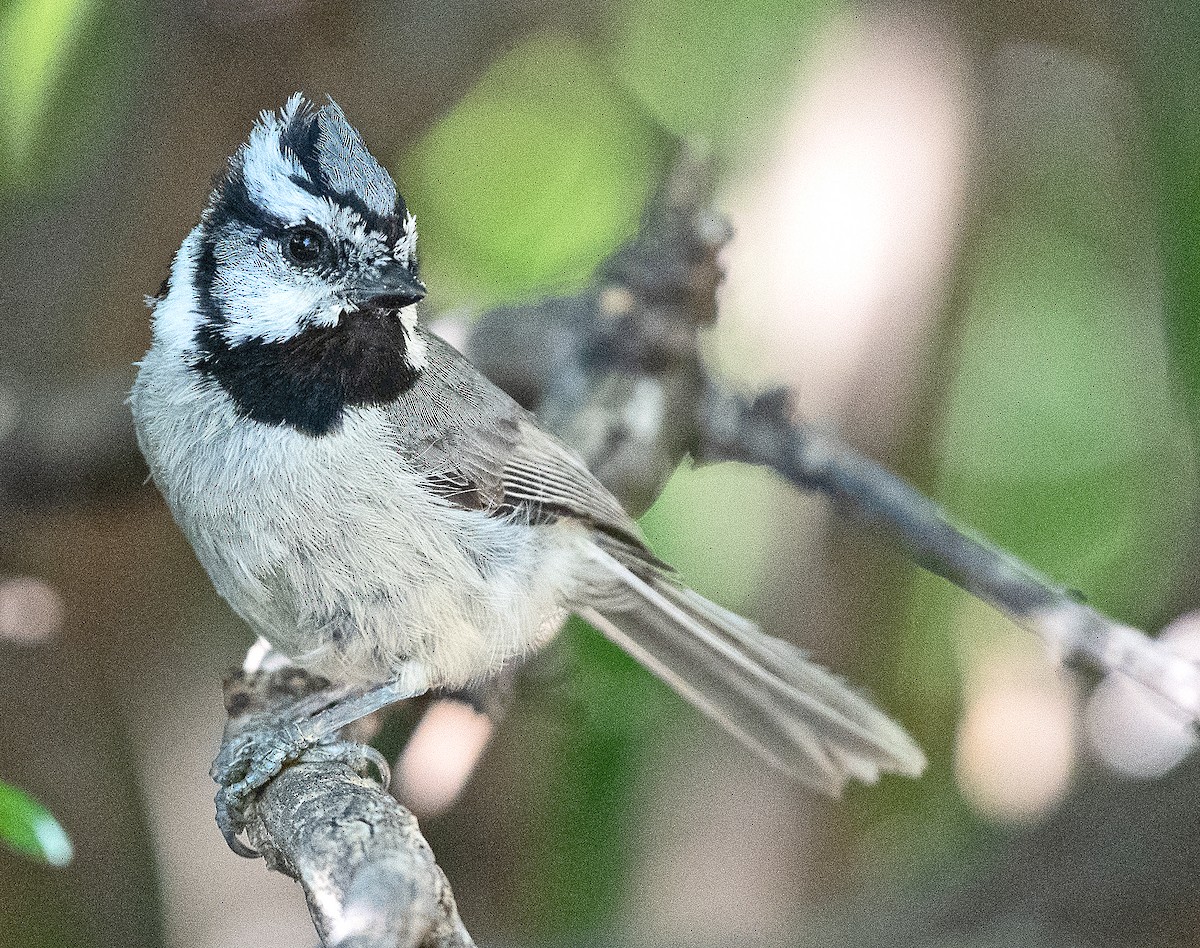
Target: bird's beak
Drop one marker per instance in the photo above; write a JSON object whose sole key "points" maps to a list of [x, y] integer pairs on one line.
{"points": [[391, 287]]}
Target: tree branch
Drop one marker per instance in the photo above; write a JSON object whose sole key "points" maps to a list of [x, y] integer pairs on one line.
{"points": [[622, 380], [761, 431], [370, 878]]}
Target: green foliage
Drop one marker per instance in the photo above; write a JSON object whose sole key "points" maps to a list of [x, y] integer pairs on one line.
{"points": [[64, 73], [1167, 40], [716, 70], [28, 828], [531, 178], [1062, 439], [35, 38]]}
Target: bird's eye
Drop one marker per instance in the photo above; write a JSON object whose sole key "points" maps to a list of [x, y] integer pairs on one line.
{"points": [[305, 246]]}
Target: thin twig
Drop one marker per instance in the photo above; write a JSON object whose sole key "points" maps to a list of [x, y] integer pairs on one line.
{"points": [[762, 431], [624, 381]]}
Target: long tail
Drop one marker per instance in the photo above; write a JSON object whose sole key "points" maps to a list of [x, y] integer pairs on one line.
{"points": [[794, 713]]}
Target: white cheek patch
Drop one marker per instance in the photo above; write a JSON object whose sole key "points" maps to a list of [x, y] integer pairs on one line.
{"points": [[175, 318], [275, 312], [406, 246], [414, 344], [262, 297]]}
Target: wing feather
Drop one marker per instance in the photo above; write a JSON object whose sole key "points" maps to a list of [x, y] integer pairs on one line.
{"points": [[480, 450]]}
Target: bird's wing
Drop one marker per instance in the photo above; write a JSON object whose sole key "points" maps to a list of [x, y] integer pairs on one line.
{"points": [[479, 450]]}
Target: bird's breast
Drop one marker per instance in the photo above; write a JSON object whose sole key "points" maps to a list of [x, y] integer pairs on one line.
{"points": [[332, 547]]}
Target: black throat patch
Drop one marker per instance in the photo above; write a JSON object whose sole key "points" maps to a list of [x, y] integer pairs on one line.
{"points": [[307, 382]]}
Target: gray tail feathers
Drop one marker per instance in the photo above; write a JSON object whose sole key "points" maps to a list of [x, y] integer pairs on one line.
{"points": [[794, 713]]}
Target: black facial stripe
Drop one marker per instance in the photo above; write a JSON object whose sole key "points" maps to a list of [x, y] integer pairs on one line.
{"points": [[391, 227], [205, 264], [234, 203], [308, 381], [306, 184]]}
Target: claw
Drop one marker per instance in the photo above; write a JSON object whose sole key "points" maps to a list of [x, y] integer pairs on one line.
{"points": [[362, 757], [308, 729], [245, 765], [279, 749], [372, 756], [231, 823], [258, 769]]}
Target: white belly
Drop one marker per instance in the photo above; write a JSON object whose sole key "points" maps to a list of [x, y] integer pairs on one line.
{"points": [[331, 549]]}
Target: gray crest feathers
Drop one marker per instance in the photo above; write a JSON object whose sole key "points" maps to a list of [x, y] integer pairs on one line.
{"points": [[334, 155]]}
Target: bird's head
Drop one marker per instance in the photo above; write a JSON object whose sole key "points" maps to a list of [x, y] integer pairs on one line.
{"points": [[302, 271]]}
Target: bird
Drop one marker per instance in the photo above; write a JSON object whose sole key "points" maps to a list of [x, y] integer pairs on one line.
{"points": [[384, 516]]}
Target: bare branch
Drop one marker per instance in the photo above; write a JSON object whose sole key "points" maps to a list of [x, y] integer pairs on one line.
{"points": [[370, 878], [623, 380], [762, 431]]}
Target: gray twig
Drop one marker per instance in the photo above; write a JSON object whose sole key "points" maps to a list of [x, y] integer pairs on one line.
{"points": [[762, 431], [370, 878], [618, 372]]}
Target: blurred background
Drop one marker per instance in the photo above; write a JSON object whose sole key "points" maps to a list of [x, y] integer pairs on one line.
{"points": [[966, 235]]}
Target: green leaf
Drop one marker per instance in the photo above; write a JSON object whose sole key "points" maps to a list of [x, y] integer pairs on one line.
{"points": [[532, 178], [27, 827], [715, 68], [36, 37]]}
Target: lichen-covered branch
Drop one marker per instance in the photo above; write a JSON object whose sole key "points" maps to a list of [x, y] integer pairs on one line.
{"points": [[370, 878]]}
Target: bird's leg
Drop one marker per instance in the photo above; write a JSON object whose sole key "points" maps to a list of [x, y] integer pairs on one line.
{"points": [[250, 760]]}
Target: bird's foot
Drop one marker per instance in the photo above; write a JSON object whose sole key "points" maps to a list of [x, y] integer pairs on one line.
{"points": [[269, 741], [308, 730], [245, 765], [250, 761]]}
